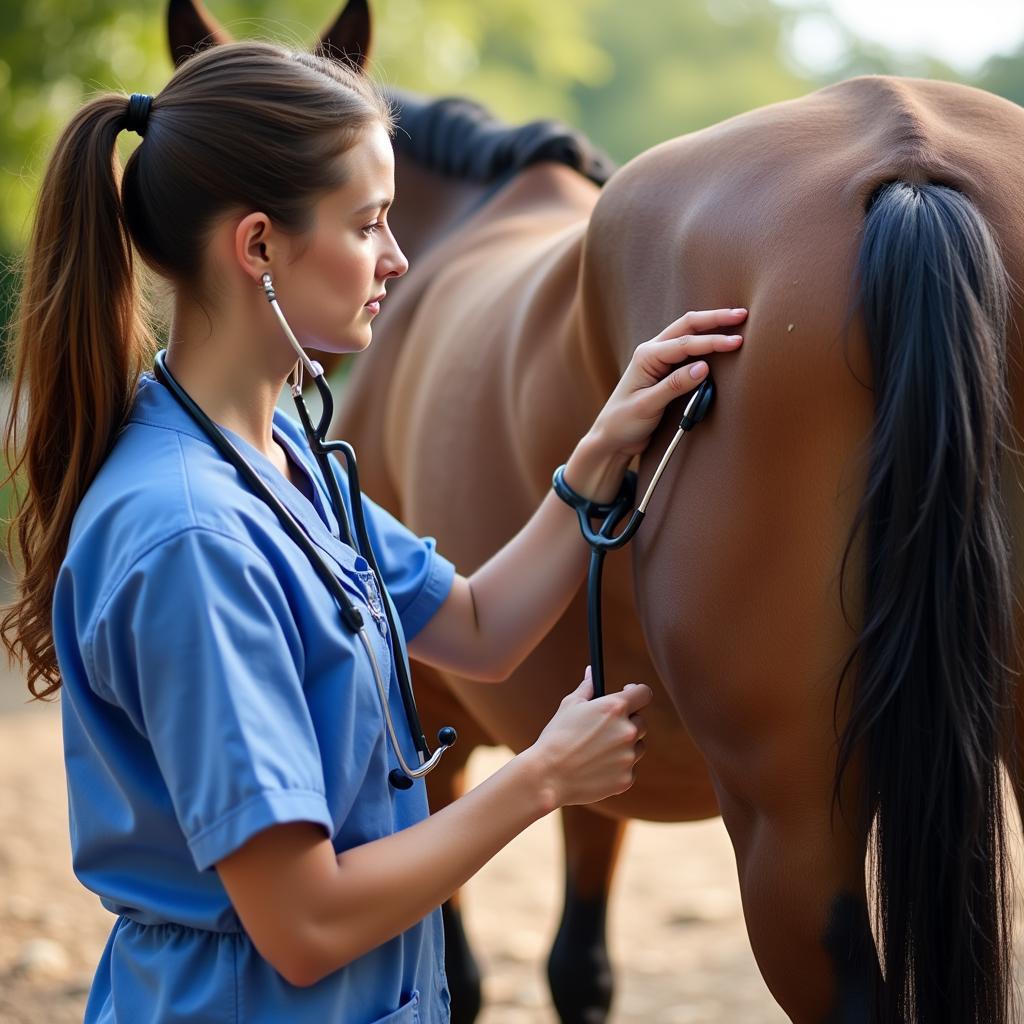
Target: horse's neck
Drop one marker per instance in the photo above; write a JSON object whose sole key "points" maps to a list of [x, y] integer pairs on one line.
{"points": [[519, 340], [556, 365]]}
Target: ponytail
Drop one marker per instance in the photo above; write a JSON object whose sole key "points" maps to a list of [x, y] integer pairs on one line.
{"points": [[80, 340], [246, 125]]}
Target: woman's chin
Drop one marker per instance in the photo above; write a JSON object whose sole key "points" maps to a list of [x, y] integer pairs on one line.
{"points": [[360, 341], [355, 340]]}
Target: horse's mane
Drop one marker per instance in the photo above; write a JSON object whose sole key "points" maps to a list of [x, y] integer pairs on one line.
{"points": [[461, 139]]}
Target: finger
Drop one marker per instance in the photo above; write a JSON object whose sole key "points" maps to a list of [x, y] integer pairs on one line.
{"points": [[636, 696], [675, 350], [679, 382], [641, 725], [638, 750], [703, 320], [586, 688]]}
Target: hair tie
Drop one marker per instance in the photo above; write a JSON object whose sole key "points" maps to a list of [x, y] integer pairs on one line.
{"points": [[138, 113]]}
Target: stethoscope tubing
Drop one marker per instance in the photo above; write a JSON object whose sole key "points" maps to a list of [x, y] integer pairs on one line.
{"points": [[321, 450], [602, 540], [400, 778]]}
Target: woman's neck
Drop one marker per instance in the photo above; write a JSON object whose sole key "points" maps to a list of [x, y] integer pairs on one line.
{"points": [[233, 369]]}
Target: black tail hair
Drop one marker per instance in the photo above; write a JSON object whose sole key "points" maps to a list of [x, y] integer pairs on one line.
{"points": [[930, 706]]}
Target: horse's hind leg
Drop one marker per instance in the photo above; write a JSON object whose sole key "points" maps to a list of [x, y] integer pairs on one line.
{"points": [[579, 971], [802, 880]]}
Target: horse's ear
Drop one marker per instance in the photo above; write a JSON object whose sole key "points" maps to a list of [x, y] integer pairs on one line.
{"points": [[191, 27], [350, 35]]}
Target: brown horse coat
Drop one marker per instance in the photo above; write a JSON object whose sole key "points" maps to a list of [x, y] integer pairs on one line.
{"points": [[500, 347]]}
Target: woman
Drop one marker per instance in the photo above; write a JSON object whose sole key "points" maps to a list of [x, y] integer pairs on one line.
{"points": [[228, 769]]}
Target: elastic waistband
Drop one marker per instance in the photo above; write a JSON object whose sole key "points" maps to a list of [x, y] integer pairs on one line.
{"points": [[147, 922]]}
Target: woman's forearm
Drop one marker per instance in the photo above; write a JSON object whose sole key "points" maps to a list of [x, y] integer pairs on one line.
{"points": [[310, 911], [386, 886]]}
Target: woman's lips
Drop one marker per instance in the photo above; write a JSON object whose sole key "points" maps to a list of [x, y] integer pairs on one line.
{"points": [[374, 304]]}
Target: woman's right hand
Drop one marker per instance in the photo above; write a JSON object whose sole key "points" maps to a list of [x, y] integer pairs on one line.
{"points": [[589, 749]]}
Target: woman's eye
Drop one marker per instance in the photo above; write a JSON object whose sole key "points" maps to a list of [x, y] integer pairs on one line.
{"points": [[373, 228]]}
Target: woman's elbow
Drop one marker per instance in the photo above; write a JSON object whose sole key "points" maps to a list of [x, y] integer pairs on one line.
{"points": [[305, 963], [490, 670], [302, 974], [299, 973]]}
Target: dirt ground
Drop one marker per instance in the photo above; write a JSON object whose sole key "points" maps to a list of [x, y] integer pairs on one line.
{"points": [[676, 929]]}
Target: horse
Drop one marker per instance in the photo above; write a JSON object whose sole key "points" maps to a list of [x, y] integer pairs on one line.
{"points": [[826, 591]]}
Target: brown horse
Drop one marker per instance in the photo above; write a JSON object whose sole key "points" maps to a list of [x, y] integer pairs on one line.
{"points": [[847, 510]]}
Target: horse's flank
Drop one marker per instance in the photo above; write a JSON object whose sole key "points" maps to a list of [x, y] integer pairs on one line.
{"points": [[766, 211]]}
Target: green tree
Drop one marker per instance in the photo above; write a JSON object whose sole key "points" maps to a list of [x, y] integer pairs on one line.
{"points": [[679, 67]]}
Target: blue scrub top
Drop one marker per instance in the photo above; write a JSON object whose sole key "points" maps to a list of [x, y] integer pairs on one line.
{"points": [[211, 690]]}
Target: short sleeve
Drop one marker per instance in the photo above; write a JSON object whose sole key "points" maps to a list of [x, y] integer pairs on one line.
{"points": [[198, 645]]}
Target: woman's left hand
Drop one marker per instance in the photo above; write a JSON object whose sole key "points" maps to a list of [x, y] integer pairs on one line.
{"points": [[652, 380]]}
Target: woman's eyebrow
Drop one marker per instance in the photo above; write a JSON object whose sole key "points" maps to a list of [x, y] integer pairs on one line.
{"points": [[377, 204]]}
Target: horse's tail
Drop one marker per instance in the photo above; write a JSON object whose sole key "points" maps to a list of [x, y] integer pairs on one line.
{"points": [[928, 713]]}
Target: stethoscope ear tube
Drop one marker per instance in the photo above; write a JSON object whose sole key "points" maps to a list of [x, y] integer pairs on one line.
{"points": [[321, 450], [402, 776]]}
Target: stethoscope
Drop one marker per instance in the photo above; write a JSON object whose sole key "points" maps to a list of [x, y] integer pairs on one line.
{"points": [[401, 777], [611, 514]]}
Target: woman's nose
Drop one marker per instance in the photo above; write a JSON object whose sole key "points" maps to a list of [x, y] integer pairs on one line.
{"points": [[395, 263]]}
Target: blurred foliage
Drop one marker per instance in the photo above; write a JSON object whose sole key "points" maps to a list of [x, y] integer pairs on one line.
{"points": [[521, 56], [628, 74], [684, 66], [1005, 75]]}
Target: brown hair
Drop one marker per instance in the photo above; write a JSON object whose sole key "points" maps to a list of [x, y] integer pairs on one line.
{"points": [[245, 125]]}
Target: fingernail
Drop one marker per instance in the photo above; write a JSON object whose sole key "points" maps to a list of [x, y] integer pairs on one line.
{"points": [[735, 337], [697, 370], [739, 309]]}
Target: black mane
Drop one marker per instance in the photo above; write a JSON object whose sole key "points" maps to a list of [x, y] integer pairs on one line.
{"points": [[461, 139]]}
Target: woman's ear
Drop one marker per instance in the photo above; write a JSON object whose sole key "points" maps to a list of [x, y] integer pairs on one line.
{"points": [[254, 244]]}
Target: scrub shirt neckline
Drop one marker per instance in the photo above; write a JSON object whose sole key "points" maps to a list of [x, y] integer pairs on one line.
{"points": [[315, 517]]}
